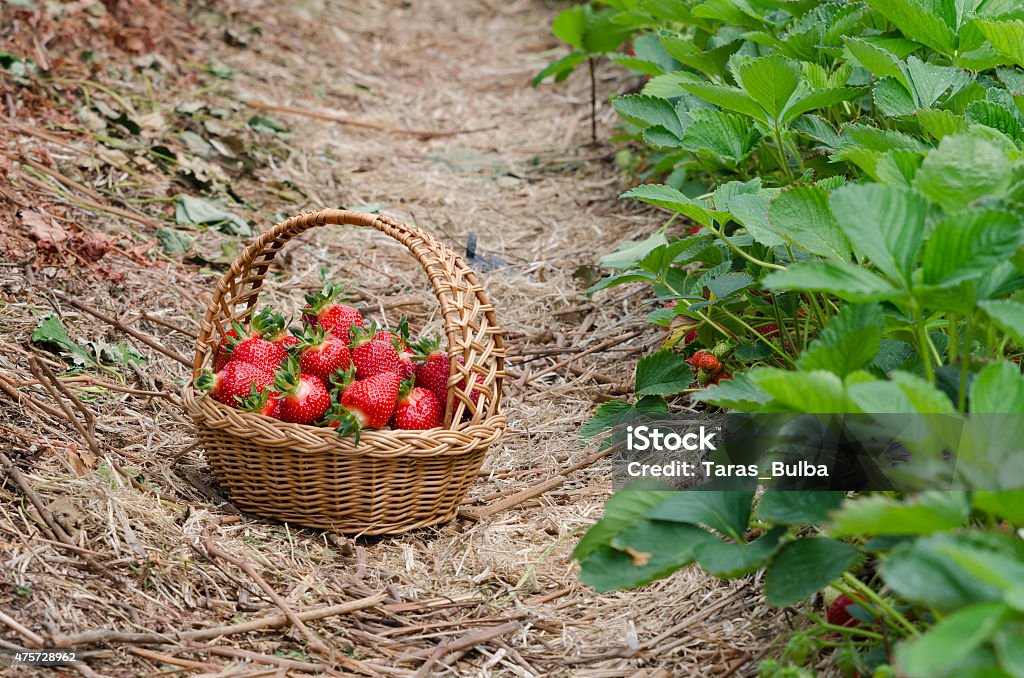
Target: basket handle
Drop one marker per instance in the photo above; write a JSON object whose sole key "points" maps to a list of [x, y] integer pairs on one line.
{"points": [[469, 321]]}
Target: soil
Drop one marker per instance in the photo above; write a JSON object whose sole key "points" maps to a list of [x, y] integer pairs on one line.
{"points": [[114, 109]]}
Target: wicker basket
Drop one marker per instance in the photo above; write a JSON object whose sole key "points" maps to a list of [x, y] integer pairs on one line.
{"points": [[394, 481]]}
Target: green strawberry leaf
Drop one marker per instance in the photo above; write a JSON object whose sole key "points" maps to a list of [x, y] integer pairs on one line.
{"points": [[662, 373], [804, 566]]}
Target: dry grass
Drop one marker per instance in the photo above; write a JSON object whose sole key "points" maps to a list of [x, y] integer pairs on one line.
{"points": [[535, 194]]}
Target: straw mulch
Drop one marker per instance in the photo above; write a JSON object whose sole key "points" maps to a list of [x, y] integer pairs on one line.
{"points": [[113, 536]]}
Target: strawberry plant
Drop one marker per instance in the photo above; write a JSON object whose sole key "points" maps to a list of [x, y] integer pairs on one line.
{"points": [[845, 234]]}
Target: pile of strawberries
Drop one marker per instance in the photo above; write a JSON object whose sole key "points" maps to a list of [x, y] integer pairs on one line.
{"points": [[338, 370]]}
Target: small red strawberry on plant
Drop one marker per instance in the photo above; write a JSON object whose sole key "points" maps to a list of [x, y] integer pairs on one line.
{"points": [[367, 403], [265, 402], [371, 356], [322, 354], [705, 360], [236, 379], [837, 613], [325, 310], [304, 398], [720, 377], [418, 408]]}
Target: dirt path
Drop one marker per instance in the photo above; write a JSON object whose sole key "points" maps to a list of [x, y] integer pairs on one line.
{"points": [[537, 198]]}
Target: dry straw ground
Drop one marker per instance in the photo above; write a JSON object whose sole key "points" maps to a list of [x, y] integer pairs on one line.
{"points": [[113, 539]]}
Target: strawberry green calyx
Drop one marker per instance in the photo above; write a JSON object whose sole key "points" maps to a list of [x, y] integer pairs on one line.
{"points": [[255, 401], [330, 294], [286, 379], [268, 324], [403, 330], [344, 422], [309, 337], [423, 348], [362, 335], [406, 387], [341, 380], [205, 381]]}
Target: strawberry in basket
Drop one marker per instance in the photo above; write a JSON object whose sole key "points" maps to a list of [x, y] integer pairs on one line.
{"points": [[324, 309], [364, 403], [234, 381], [265, 325]]}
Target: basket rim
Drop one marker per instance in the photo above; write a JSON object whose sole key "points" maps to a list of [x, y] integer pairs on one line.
{"points": [[206, 412]]}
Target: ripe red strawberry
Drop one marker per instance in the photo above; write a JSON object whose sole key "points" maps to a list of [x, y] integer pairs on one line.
{"points": [[372, 356], [265, 324], [769, 330], [367, 403], [690, 337], [694, 231], [721, 376], [434, 369], [236, 380], [705, 360], [304, 398], [287, 340], [324, 310], [259, 352], [418, 408], [401, 344], [837, 613], [322, 355], [265, 402]]}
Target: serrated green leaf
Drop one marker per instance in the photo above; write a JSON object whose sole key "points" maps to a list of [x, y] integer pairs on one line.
{"points": [[917, 22], [951, 640], [662, 373], [940, 123], [963, 169], [560, 68], [771, 82], [821, 98], [645, 111], [892, 98], [928, 82], [725, 135], [1006, 36], [998, 387], [801, 215], [738, 393], [997, 117], [1006, 504], [669, 86], [805, 566], [751, 210], [903, 393], [570, 25], [646, 550], [797, 507], [631, 252], [660, 138], [967, 245], [885, 224], [844, 280], [729, 560], [670, 198], [1008, 315], [881, 62], [624, 508], [848, 343], [815, 391], [729, 98], [726, 512], [922, 514]]}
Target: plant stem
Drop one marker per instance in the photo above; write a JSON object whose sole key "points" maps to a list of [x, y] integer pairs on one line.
{"points": [[736, 248], [965, 359], [924, 345], [782, 354], [784, 163], [888, 609]]}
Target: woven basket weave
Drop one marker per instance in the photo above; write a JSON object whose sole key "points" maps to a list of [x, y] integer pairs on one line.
{"points": [[394, 481]]}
